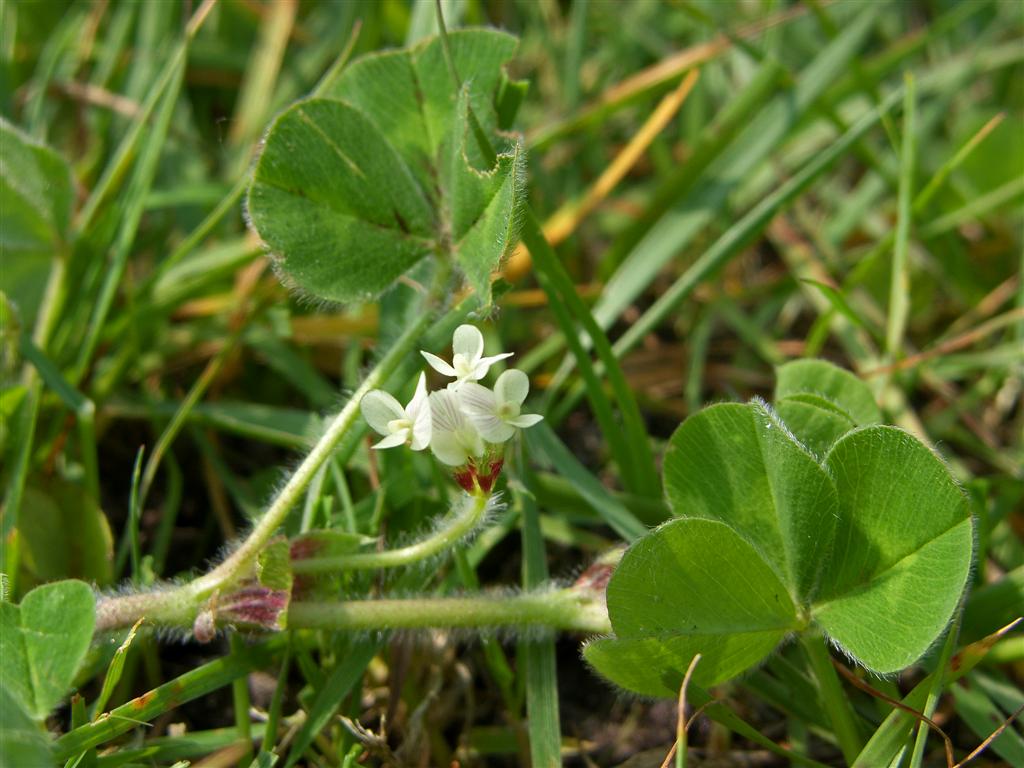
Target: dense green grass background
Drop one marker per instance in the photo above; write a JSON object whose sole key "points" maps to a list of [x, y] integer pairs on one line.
{"points": [[722, 251]]}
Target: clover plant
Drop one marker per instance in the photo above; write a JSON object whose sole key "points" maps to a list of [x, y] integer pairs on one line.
{"points": [[867, 539], [802, 518]]}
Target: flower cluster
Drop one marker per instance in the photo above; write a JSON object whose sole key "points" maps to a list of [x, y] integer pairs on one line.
{"points": [[465, 425]]}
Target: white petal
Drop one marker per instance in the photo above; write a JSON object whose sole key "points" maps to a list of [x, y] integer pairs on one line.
{"points": [[493, 429], [421, 429], [391, 441], [526, 420], [477, 401], [379, 408], [484, 364], [445, 411], [447, 448], [438, 364], [419, 399], [468, 341], [512, 387]]}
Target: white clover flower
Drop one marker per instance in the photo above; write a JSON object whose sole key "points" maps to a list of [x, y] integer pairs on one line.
{"points": [[410, 425], [496, 415], [468, 362], [454, 440]]}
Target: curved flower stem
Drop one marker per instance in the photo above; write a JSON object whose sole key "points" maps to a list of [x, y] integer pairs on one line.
{"points": [[462, 524], [565, 609], [179, 605], [298, 482]]}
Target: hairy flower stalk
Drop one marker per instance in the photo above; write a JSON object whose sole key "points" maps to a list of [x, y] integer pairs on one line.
{"points": [[465, 426], [565, 609], [469, 512], [180, 605]]}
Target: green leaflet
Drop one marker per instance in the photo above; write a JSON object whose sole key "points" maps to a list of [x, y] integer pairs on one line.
{"points": [[384, 169], [690, 586], [873, 545], [42, 642], [35, 214], [737, 464], [815, 419], [64, 533], [822, 378], [22, 741], [903, 549]]}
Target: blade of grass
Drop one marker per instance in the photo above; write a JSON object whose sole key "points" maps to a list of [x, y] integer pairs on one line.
{"points": [[172, 494], [544, 444], [538, 655], [134, 517], [892, 735], [240, 704], [285, 427], [59, 53], [975, 209], [276, 703], [741, 234], [201, 384], [981, 714], [994, 604], [79, 404], [924, 197], [556, 492], [254, 96], [657, 76], [114, 671], [837, 705], [935, 690], [338, 684], [127, 149], [141, 181], [561, 224], [747, 151], [630, 444], [723, 715], [183, 689], [899, 285]]}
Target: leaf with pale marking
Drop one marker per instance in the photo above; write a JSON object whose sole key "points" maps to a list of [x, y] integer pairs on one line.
{"points": [[873, 546], [903, 549], [385, 168], [737, 464]]}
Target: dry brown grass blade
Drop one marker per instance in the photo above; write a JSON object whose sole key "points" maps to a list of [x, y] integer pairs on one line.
{"points": [[965, 339], [567, 218], [992, 737], [663, 72], [992, 301]]}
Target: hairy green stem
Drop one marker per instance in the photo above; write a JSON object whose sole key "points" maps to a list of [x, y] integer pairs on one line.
{"points": [[462, 523], [178, 606], [567, 610]]}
